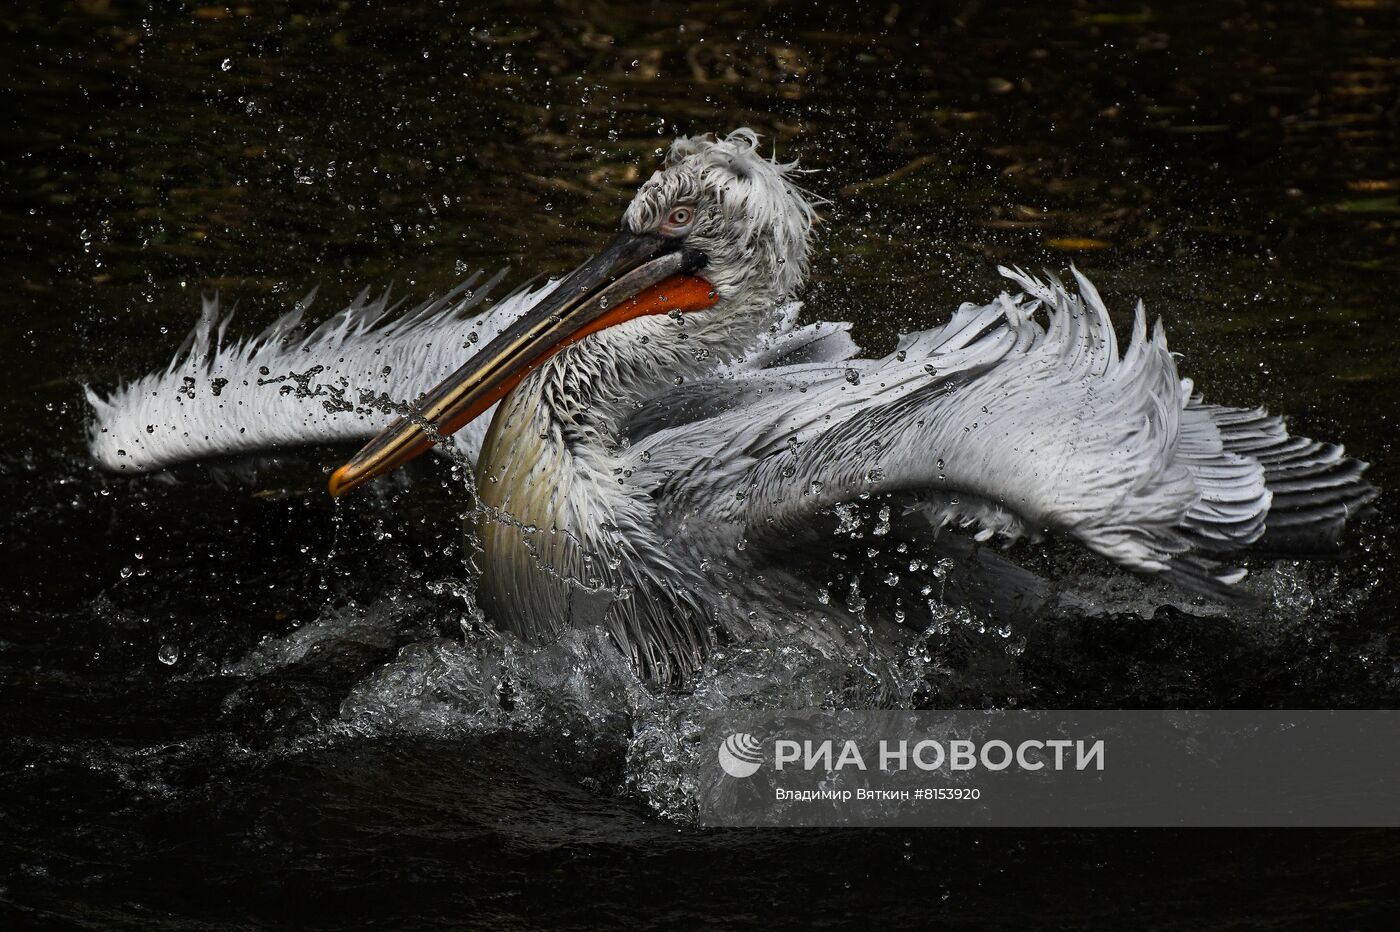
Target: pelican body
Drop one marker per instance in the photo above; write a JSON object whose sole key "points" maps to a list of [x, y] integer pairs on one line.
{"points": [[658, 443]]}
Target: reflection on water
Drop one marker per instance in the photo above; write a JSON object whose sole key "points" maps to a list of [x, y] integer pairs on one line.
{"points": [[229, 707]]}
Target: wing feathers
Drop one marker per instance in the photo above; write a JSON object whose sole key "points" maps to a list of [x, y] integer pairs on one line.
{"points": [[282, 387], [1013, 427]]}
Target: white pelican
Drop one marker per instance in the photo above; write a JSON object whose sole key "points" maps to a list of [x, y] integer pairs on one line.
{"points": [[667, 445]]}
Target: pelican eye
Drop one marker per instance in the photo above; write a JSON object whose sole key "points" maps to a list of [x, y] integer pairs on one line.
{"points": [[678, 219]]}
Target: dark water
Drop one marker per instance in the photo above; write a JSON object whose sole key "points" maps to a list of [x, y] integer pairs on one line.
{"points": [[208, 722]]}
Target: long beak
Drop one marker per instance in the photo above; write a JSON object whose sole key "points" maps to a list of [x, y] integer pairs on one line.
{"points": [[634, 276]]}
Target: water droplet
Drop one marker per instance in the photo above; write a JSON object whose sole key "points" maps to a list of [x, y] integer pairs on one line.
{"points": [[855, 602], [226, 65], [882, 527], [168, 654], [853, 376]]}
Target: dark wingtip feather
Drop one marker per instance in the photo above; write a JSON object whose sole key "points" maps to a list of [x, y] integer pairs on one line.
{"points": [[1315, 488], [1313, 501], [1317, 529]]}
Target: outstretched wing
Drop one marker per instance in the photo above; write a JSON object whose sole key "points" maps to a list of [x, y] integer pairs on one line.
{"points": [[342, 382], [999, 423]]}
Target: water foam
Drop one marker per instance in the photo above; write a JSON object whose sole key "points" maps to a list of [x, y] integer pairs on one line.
{"points": [[583, 688]]}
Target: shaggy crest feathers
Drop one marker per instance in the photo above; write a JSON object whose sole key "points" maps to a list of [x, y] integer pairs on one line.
{"points": [[752, 216]]}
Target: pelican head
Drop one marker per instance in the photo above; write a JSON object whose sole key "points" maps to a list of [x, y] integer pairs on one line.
{"points": [[710, 245], [740, 211]]}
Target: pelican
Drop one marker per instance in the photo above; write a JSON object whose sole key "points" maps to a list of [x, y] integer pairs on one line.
{"points": [[659, 446]]}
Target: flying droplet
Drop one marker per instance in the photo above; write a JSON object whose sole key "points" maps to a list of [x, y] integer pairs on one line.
{"points": [[855, 602]]}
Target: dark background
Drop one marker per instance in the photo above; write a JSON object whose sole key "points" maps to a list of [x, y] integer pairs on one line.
{"points": [[1235, 165]]}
